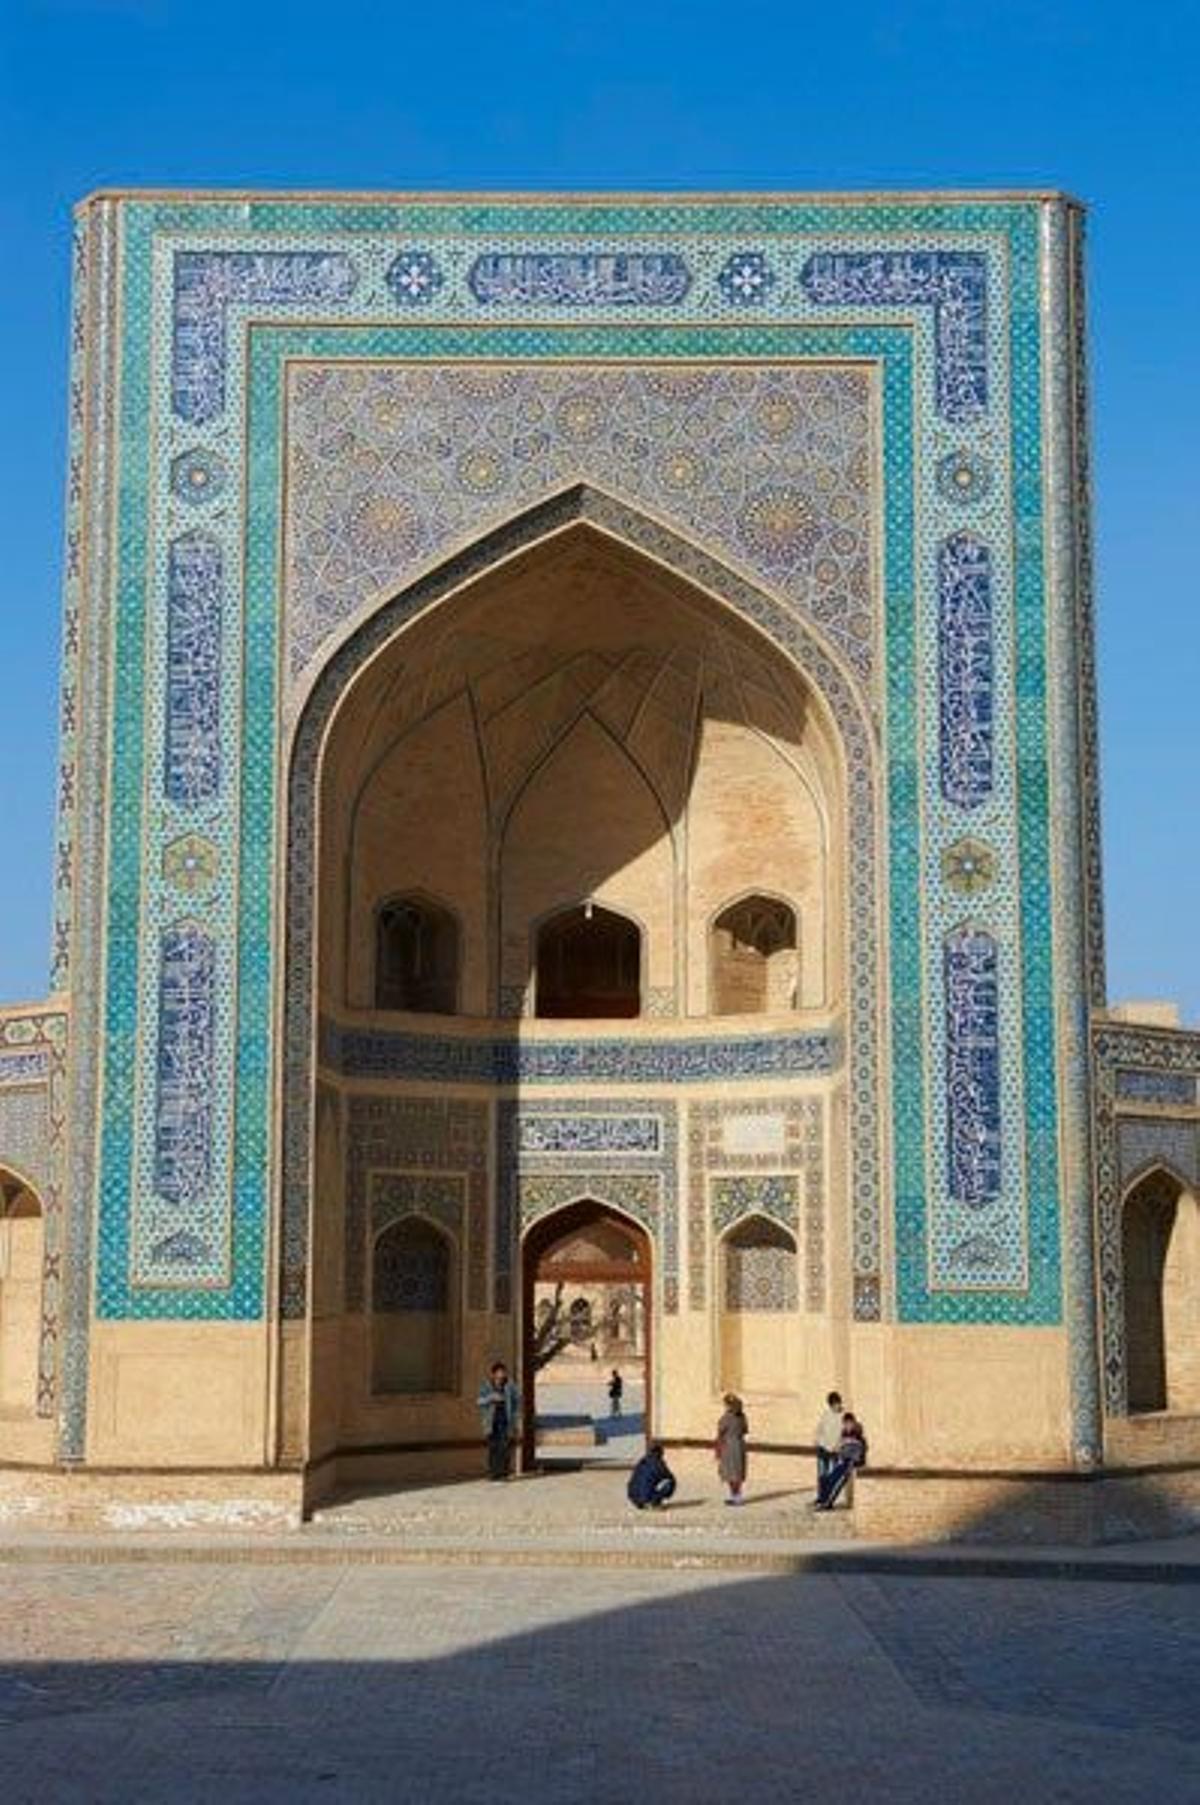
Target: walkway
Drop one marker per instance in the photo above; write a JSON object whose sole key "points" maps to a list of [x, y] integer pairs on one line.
{"points": [[204, 1683]]}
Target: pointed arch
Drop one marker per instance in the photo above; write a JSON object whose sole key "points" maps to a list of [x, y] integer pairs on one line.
{"points": [[1160, 1282], [22, 1257], [848, 725]]}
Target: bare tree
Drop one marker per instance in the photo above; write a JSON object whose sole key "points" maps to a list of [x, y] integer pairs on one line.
{"points": [[552, 1333]]}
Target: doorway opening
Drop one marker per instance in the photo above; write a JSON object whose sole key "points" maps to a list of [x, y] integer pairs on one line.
{"points": [[586, 1323]]}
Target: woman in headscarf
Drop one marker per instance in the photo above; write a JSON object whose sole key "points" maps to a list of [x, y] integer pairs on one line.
{"points": [[732, 1431]]}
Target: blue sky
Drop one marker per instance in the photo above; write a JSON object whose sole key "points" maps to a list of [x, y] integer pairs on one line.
{"points": [[1102, 99]]}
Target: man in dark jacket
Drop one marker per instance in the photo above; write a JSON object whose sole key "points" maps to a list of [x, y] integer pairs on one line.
{"points": [[500, 1411], [651, 1482]]}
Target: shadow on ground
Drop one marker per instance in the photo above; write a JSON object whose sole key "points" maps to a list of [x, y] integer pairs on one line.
{"points": [[462, 1685]]}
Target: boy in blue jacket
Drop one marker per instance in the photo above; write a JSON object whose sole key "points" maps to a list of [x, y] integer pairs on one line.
{"points": [[651, 1482]]}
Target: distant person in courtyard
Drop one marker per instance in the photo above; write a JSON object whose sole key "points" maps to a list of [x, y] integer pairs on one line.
{"points": [[827, 1435], [651, 1482], [616, 1391], [500, 1408], [851, 1453], [732, 1431]]}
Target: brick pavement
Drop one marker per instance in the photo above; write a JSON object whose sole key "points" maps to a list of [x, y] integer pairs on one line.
{"points": [[233, 1682]]}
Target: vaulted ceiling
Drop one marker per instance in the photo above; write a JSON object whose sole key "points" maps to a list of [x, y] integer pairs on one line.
{"points": [[579, 627]]}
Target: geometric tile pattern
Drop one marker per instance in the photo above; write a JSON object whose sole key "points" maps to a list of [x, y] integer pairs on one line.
{"points": [[1144, 1144], [413, 278], [410, 1271], [414, 1274], [760, 1269], [414, 1155], [533, 1178], [773, 1196], [773, 1152], [747, 279], [439, 1196], [768, 465]]}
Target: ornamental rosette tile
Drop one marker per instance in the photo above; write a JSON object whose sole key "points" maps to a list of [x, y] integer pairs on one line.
{"points": [[968, 867], [191, 863]]}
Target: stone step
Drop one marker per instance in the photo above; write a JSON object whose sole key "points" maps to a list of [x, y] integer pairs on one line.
{"points": [[665, 1529], [309, 1548]]}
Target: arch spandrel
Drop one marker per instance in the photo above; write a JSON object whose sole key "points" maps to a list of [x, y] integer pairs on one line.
{"points": [[365, 475]]}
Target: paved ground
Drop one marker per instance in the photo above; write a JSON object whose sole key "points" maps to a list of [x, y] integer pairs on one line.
{"points": [[566, 1403], [229, 1683], [591, 1505]]}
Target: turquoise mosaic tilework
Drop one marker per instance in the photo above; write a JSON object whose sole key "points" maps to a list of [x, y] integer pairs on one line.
{"points": [[237, 905]]}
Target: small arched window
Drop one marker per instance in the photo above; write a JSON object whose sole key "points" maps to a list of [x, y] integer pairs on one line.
{"points": [[416, 957], [589, 964], [755, 958]]}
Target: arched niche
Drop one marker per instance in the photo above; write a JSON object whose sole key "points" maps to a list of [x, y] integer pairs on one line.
{"points": [[586, 860], [754, 958], [588, 965], [414, 1315], [758, 1290], [1160, 1254], [416, 956], [22, 1249]]}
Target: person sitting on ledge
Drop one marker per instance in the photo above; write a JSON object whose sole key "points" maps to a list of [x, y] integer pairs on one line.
{"points": [[651, 1482], [851, 1453]]}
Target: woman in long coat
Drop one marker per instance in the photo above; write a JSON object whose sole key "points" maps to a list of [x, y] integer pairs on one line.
{"points": [[732, 1431]]}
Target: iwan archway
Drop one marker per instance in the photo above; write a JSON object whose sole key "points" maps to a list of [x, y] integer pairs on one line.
{"points": [[587, 1310], [551, 770]]}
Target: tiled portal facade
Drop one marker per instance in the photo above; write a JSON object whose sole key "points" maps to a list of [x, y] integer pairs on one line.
{"points": [[850, 433]]}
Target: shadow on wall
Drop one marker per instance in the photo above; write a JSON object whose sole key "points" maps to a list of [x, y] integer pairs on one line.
{"points": [[1071, 1509], [702, 1683]]}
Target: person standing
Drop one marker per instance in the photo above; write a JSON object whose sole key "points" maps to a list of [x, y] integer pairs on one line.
{"points": [[616, 1391], [500, 1409], [827, 1436], [732, 1431]]}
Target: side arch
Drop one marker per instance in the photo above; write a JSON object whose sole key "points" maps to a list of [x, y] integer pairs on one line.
{"points": [[23, 1228], [1160, 1291]]}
